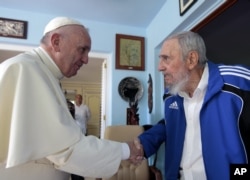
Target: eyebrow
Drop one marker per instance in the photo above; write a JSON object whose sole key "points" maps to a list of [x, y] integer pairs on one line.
{"points": [[163, 56], [84, 48]]}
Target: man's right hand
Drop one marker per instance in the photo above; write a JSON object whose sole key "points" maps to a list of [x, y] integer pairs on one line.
{"points": [[136, 151]]}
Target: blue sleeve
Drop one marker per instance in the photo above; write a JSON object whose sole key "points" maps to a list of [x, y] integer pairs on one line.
{"points": [[153, 138]]}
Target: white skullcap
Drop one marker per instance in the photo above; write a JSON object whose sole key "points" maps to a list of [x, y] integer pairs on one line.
{"points": [[59, 22]]}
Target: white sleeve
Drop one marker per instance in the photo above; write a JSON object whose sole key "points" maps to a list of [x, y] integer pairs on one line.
{"points": [[90, 157], [125, 151], [88, 113]]}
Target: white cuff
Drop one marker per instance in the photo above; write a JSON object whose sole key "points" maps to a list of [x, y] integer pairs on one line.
{"points": [[125, 151]]}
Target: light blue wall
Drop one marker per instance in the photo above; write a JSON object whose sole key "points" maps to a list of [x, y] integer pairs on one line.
{"points": [[103, 40], [166, 21]]}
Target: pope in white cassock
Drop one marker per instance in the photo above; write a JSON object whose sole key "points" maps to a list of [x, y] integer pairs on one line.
{"points": [[38, 137]]}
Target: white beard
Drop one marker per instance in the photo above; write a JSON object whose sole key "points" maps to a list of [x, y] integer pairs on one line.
{"points": [[181, 82]]}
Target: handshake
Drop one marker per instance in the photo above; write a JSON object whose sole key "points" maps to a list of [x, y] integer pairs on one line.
{"points": [[136, 152]]}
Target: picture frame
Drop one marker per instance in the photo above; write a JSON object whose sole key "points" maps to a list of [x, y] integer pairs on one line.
{"points": [[130, 52], [185, 5], [13, 28]]}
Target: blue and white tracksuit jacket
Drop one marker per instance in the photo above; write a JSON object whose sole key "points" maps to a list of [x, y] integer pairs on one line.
{"points": [[224, 123]]}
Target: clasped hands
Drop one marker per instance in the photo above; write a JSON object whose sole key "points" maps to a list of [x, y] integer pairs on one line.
{"points": [[136, 152]]}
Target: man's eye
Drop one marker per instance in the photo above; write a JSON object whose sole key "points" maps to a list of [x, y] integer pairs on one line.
{"points": [[83, 49], [164, 58]]}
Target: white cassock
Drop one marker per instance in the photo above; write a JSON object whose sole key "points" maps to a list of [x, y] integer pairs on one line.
{"points": [[39, 139]]}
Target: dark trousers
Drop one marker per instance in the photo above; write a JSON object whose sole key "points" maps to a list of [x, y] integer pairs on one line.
{"points": [[76, 177]]}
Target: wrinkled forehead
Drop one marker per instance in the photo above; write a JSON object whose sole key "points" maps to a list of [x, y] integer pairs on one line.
{"points": [[170, 45], [82, 37]]}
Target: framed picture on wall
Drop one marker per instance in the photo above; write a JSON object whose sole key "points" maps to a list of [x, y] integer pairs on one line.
{"points": [[130, 52], [185, 5], [13, 28]]}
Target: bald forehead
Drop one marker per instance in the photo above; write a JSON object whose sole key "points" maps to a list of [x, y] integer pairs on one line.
{"points": [[78, 96], [80, 35]]}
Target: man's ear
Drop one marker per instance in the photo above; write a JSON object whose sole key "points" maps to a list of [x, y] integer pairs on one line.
{"points": [[193, 59], [55, 42]]}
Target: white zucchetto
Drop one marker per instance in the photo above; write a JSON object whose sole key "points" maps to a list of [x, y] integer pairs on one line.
{"points": [[59, 22]]}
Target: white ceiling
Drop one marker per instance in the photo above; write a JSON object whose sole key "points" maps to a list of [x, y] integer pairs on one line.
{"points": [[137, 13], [227, 37]]}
